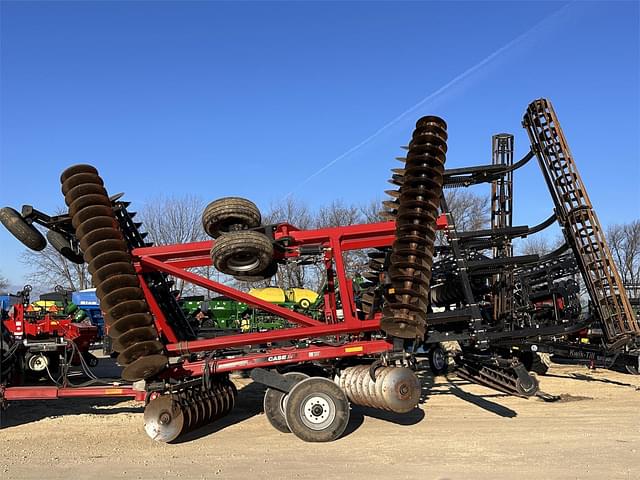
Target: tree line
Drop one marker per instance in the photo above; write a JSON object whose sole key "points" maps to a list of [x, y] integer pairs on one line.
{"points": [[171, 219]]}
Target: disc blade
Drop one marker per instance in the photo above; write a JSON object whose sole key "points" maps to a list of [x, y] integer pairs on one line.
{"points": [[163, 419]]}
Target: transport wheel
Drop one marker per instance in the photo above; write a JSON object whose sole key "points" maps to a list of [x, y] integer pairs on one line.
{"points": [[21, 229], [535, 362], [163, 419], [274, 404], [269, 272], [317, 410], [242, 253], [90, 358], [64, 248], [528, 388], [230, 214], [438, 360], [632, 370]]}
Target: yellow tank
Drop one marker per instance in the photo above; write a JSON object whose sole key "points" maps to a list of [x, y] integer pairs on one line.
{"points": [[302, 296], [269, 294]]}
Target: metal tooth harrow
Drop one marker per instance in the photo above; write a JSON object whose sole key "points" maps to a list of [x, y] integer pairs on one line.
{"points": [[167, 416], [117, 286], [579, 222], [416, 210]]}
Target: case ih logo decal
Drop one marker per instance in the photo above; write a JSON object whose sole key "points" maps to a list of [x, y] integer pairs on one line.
{"points": [[279, 358]]}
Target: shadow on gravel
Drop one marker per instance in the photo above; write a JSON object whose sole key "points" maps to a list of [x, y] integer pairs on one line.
{"points": [[480, 401], [587, 378], [451, 386], [23, 412]]}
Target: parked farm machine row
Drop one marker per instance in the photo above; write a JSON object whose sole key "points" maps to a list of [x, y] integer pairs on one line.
{"points": [[316, 365]]}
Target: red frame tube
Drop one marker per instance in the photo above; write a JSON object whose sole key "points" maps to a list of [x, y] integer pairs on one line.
{"points": [[334, 241], [53, 392]]}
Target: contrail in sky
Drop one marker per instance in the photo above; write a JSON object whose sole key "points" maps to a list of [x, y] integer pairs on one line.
{"points": [[433, 95]]}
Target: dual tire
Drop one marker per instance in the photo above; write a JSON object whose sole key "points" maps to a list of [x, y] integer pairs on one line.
{"points": [[239, 251], [31, 237], [315, 410]]}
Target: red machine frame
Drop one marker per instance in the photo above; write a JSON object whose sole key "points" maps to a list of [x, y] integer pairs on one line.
{"points": [[176, 259]]}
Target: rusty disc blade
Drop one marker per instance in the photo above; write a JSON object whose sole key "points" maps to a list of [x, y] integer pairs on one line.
{"points": [[88, 201], [90, 212], [126, 308], [82, 190], [95, 223], [78, 168], [118, 268], [113, 283], [138, 350], [144, 368], [128, 322], [121, 295], [97, 235], [108, 258]]}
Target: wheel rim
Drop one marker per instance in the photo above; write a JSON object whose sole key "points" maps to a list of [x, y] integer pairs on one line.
{"points": [[317, 411], [439, 359], [38, 363], [243, 262]]}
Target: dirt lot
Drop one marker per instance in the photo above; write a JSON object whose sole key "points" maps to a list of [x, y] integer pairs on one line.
{"points": [[461, 431]]}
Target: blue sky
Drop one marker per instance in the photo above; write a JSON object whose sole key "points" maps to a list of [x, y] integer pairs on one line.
{"points": [[252, 99]]}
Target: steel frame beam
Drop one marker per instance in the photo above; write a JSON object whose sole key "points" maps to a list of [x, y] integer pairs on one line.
{"points": [[176, 259]]}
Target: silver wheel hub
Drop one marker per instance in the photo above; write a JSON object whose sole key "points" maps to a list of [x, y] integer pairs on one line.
{"points": [[38, 363], [317, 411]]}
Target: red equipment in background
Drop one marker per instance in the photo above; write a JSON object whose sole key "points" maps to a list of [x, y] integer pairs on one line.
{"points": [[45, 336], [22, 323]]}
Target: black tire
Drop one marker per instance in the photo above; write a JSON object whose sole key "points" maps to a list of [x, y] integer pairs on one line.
{"points": [[230, 214], [274, 404], [304, 303], [438, 360], [244, 253], [209, 323], [8, 358], [23, 231], [317, 410], [270, 271], [632, 370], [529, 389], [64, 248], [534, 363]]}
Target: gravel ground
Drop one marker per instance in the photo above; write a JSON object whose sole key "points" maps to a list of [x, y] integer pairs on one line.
{"points": [[460, 431]]}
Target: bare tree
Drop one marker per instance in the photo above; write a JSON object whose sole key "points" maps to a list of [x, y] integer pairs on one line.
{"points": [[4, 283], [470, 211], [535, 245], [48, 268], [624, 242], [171, 220], [313, 274], [372, 211]]}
